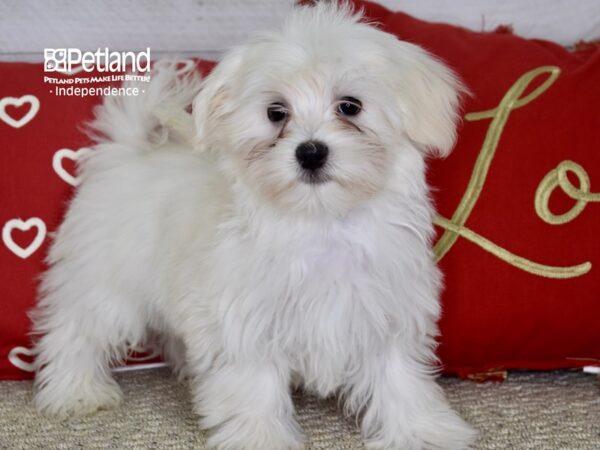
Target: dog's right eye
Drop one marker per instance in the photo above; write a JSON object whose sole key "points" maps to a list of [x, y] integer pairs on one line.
{"points": [[276, 112]]}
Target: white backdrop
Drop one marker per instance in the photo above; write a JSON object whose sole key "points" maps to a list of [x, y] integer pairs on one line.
{"points": [[207, 27]]}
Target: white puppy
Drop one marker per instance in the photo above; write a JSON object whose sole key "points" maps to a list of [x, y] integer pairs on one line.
{"points": [[279, 238]]}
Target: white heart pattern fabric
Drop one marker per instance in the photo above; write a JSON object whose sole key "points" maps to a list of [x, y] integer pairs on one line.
{"points": [[57, 163], [183, 65], [21, 225], [150, 351], [14, 357], [19, 101], [74, 70]]}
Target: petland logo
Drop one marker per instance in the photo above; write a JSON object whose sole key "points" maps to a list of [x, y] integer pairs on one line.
{"points": [[73, 60], [69, 72]]}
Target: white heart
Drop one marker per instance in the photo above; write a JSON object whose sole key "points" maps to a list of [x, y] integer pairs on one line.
{"points": [[18, 101], [14, 356], [152, 351], [57, 163], [24, 226], [73, 71], [187, 65]]}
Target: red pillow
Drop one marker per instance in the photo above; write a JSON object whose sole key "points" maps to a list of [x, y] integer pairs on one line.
{"points": [[519, 220], [522, 288]]}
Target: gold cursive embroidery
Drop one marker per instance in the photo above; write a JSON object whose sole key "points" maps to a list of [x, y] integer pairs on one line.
{"points": [[558, 178], [454, 227], [512, 259]]}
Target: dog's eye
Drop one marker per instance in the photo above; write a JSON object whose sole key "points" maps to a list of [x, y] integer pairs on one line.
{"points": [[349, 106], [276, 112]]}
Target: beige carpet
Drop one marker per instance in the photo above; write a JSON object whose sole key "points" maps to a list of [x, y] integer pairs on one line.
{"points": [[546, 411]]}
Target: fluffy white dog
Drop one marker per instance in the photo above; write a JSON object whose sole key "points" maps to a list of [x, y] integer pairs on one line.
{"points": [[278, 236]]}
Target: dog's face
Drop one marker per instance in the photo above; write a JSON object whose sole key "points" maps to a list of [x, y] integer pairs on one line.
{"points": [[315, 118]]}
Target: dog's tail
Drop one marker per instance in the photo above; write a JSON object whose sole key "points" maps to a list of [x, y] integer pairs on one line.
{"points": [[159, 112]]}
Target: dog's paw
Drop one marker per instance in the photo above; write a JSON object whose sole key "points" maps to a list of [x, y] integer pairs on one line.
{"points": [[63, 399], [443, 430], [257, 433]]}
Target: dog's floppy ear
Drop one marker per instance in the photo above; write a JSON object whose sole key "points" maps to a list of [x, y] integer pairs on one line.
{"points": [[211, 104], [429, 99]]}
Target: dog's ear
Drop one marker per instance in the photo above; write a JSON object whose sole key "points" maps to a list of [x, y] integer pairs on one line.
{"points": [[429, 98], [212, 103]]}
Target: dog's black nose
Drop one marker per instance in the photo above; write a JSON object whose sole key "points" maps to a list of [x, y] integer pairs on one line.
{"points": [[312, 155]]}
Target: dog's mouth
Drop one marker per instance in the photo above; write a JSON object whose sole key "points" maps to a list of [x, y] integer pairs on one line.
{"points": [[314, 177]]}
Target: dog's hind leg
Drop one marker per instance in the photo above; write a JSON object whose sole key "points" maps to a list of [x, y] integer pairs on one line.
{"points": [[79, 340]]}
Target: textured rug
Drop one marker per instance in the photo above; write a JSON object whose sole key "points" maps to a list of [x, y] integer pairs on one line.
{"points": [[545, 411]]}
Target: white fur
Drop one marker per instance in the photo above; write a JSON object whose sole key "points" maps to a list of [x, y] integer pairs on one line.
{"points": [[261, 280]]}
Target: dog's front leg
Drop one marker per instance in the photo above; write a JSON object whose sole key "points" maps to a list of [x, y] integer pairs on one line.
{"points": [[247, 405], [405, 408]]}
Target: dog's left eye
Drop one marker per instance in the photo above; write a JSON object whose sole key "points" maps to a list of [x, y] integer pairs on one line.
{"points": [[349, 106], [276, 112]]}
